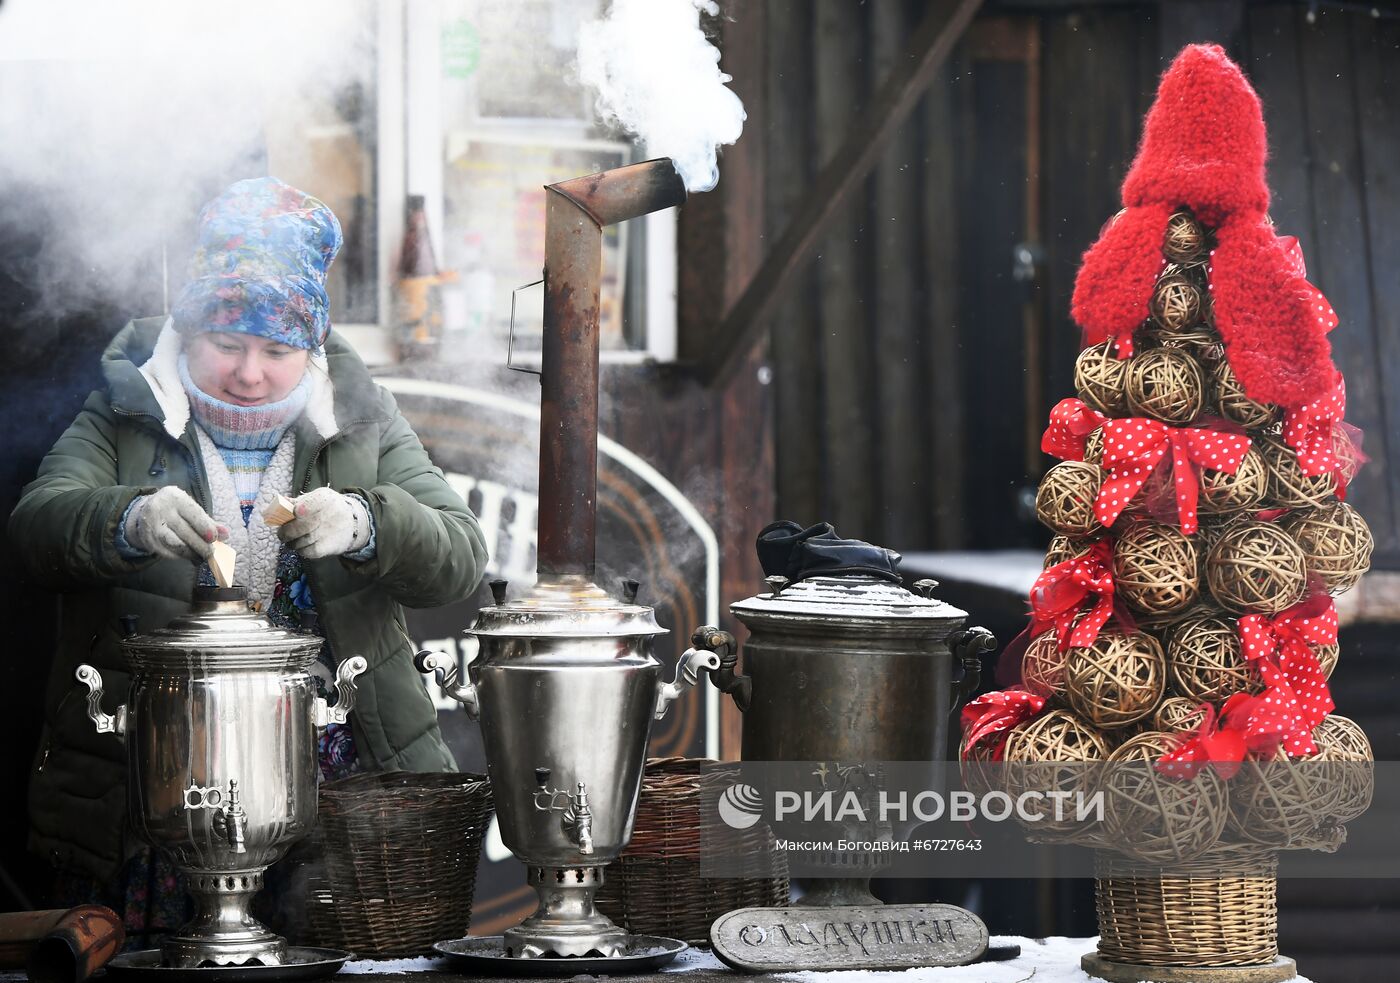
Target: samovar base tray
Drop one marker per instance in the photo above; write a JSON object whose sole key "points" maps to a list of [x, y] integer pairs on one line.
{"points": [[301, 963], [486, 954]]}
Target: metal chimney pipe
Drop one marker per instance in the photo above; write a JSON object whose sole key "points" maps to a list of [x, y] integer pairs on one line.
{"points": [[575, 213]]}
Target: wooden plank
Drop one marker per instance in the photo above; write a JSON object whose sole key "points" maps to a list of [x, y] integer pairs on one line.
{"points": [[1341, 259], [1376, 48], [850, 478], [991, 225], [791, 160], [897, 340], [841, 177], [1183, 22], [945, 399], [747, 434], [1091, 134]]}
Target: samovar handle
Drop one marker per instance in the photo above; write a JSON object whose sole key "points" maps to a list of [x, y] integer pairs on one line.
{"points": [[687, 674], [106, 723], [726, 680], [325, 715], [445, 667], [968, 646]]}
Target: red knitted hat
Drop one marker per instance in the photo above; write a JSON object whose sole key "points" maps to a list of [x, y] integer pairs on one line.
{"points": [[1203, 147]]}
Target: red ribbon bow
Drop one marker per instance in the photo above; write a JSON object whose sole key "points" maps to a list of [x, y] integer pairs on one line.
{"points": [[1246, 723], [1309, 430], [1133, 448], [1282, 650], [1058, 597], [992, 716], [1071, 422]]}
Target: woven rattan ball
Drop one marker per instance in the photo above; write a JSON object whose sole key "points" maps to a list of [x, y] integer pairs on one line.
{"points": [[1064, 548], [1116, 681], [1206, 663], [1283, 802], [1155, 568], [1186, 241], [1065, 499], [1222, 492], [1093, 447], [1176, 303], [1256, 567], [1289, 488], [1327, 656], [1098, 379], [1341, 740], [1165, 384], [1233, 404], [1056, 751], [1177, 714], [1347, 454], [981, 773], [1155, 817], [1043, 666], [1336, 541]]}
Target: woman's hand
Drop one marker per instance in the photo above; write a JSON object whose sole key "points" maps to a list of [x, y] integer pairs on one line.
{"points": [[327, 523], [169, 523]]}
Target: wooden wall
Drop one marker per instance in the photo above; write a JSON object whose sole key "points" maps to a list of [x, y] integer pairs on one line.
{"points": [[914, 367]]}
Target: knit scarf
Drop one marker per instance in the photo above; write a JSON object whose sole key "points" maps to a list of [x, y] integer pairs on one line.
{"points": [[245, 436]]}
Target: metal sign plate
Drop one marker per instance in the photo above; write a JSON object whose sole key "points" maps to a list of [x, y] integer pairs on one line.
{"points": [[772, 940]]}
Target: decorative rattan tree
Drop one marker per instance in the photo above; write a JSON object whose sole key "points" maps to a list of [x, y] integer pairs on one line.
{"points": [[1185, 614]]}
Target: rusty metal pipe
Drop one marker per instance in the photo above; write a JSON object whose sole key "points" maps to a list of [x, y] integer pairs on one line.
{"points": [[60, 945], [575, 213]]}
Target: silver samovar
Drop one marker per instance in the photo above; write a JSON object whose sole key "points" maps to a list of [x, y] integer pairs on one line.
{"points": [[220, 731], [565, 684], [848, 668]]}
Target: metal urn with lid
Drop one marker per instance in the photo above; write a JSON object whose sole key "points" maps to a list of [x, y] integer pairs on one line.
{"points": [[220, 731], [566, 688], [843, 664]]}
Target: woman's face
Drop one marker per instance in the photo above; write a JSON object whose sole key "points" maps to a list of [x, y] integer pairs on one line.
{"points": [[244, 369]]}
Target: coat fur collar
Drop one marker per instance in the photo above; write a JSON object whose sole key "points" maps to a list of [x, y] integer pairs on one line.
{"points": [[162, 373]]}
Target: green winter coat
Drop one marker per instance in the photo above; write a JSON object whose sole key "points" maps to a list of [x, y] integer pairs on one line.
{"points": [[429, 553]]}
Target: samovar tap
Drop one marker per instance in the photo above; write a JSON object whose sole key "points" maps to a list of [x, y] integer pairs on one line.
{"points": [[576, 816]]}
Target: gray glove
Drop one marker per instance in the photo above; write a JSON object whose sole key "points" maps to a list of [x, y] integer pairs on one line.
{"points": [[327, 523], [170, 523]]}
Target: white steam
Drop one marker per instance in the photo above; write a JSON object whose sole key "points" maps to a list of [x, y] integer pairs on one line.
{"points": [[658, 76], [118, 120]]}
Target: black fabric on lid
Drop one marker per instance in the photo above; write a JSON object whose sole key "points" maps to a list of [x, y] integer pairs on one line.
{"points": [[786, 549]]}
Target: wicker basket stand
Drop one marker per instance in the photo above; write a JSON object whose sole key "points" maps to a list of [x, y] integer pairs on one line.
{"points": [[398, 859]]}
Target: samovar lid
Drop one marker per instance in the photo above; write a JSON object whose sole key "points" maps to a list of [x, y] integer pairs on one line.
{"points": [[873, 603], [219, 631], [569, 606]]}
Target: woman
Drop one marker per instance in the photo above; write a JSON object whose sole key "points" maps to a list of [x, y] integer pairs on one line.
{"points": [[243, 394]]}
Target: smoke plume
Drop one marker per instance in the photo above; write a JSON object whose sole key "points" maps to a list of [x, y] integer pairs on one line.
{"points": [[121, 119], [658, 76]]}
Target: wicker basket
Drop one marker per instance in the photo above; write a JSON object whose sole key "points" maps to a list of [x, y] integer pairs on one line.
{"points": [[1218, 910], [397, 861], [655, 887]]}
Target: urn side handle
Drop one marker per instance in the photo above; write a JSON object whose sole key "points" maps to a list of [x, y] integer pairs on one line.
{"points": [[687, 675], [106, 723], [344, 693], [444, 667], [968, 646], [726, 680]]}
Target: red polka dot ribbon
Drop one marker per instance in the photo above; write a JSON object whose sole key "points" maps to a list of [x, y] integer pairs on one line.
{"points": [[1135, 447], [1318, 305], [1071, 422], [1059, 595], [1247, 723], [1281, 648], [988, 720], [1310, 430]]}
